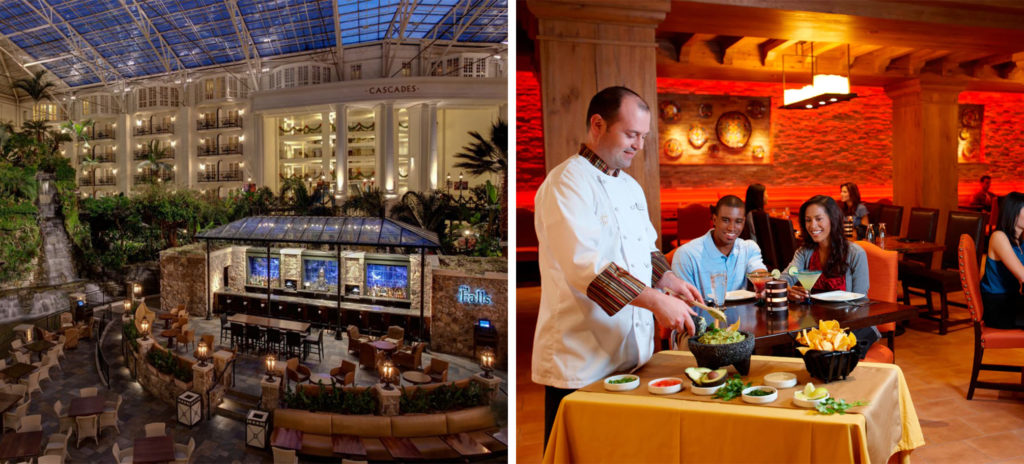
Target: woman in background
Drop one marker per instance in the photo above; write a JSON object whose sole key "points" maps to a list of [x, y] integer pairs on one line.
{"points": [[849, 202], [1003, 282], [756, 198]]}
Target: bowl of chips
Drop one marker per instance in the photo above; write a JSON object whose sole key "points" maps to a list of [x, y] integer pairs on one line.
{"points": [[829, 351]]}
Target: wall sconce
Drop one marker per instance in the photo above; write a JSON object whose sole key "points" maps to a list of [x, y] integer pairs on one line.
{"points": [[136, 288], [487, 361], [145, 328], [270, 361], [201, 351], [387, 371], [127, 305]]}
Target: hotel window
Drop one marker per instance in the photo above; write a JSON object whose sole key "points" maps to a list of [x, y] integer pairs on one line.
{"points": [[406, 69], [208, 90], [44, 111], [356, 71]]}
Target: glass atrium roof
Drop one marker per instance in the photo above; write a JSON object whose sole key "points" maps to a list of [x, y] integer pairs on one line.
{"points": [[324, 230], [88, 41]]}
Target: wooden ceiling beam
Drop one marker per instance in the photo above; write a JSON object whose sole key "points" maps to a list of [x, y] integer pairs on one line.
{"points": [[877, 61], [983, 67], [912, 63], [720, 44], [695, 50], [769, 50]]}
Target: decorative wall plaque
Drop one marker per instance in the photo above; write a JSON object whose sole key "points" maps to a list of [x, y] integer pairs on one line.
{"points": [[969, 149], [714, 129]]}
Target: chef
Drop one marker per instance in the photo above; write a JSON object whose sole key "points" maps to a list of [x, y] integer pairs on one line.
{"points": [[599, 264]]}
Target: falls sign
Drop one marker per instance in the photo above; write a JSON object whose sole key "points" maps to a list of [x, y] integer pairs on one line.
{"points": [[477, 297]]}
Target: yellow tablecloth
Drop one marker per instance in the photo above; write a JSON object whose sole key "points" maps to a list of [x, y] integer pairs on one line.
{"points": [[616, 427]]}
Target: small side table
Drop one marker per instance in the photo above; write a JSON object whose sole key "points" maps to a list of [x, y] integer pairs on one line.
{"points": [[256, 428], [190, 408], [416, 377]]}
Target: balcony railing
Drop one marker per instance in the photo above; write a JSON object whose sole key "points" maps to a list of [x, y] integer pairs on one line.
{"points": [[222, 124], [210, 175], [100, 181], [154, 130], [207, 151], [102, 135], [105, 158], [143, 153], [231, 150], [231, 176], [204, 150], [148, 178], [302, 155]]}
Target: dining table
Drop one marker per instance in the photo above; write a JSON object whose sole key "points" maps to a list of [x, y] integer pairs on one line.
{"points": [[772, 328], [39, 346], [16, 371], [595, 425], [902, 245], [86, 406], [270, 322], [153, 449], [7, 400], [21, 445]]}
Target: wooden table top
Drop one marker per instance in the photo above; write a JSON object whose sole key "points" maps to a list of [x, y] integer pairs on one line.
{"points": [[465, 445], [86, 406], [21, 445], [401, 448], [39, 346], [18, 370], [773, 329], [383, 345], [348, 445], [7, 400], [416, 377], [269, 322], [166, 316], [153, 449], [894, 244]]}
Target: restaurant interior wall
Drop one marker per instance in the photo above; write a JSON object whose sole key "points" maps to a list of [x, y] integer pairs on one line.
{"points": [[813, 151]]}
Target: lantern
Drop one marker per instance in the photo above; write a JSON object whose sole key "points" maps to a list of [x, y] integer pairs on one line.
{"points": [[270, 361], [127, 305], [201, 351], [145, 328], [387, 371], [487, 361]]}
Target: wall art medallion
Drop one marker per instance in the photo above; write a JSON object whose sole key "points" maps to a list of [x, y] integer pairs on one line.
{"points": [[715, 129], [733, 129], [698, 135], [673, 148], [669, 111]]}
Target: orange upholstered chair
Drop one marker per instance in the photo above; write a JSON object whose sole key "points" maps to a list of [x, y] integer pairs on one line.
{"points": [[984, 337], [883, 270]]}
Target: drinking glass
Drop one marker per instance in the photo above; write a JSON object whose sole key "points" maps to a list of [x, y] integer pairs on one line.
{"points": [[758, 278], [807, 280], [718, 283]]}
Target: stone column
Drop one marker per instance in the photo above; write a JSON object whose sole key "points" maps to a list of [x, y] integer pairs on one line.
{"points": [[341, 151], [202, 379], [585, 46], [387, 155], [492, 383], [271, 393], [388, 400], [924, 142], [220, 361]]}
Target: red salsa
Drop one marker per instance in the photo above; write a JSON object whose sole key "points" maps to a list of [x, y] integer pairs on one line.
{"points": [[666, 383]]}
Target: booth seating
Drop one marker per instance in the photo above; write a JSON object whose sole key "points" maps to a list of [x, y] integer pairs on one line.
{"points": [[317, 429]]}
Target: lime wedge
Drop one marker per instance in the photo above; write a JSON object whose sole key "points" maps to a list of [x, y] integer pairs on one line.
{"points": [[776, 274], [809, 389], [819, 393], [793, 270]]}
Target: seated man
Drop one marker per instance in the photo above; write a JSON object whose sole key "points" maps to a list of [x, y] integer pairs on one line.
{"points": [[983, 197], [718, 261]]}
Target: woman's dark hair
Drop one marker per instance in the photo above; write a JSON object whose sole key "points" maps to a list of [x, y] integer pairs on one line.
{"points": [[838, 249], [851, 208], [1009, 209], [755, 197]]}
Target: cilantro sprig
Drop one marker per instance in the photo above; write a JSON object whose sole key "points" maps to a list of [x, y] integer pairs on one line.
{"points": [[732, 388], [831, 406]]}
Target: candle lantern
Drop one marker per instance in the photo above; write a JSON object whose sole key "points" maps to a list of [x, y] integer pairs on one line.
{"points": [[144, 325], [201, 351], [136, 289], [127, 305], [487, 361], [271, 361], [28, 335], [777, 295], [387, 371]]}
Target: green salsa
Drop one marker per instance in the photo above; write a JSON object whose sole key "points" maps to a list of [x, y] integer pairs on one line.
{"points": [[720, 337], [759, 393], [623, 380]]}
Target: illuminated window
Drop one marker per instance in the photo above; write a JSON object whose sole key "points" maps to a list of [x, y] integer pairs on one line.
{"points": [[356, 71]]}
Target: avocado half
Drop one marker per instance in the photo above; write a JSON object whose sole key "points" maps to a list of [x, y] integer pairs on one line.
{"points": [[704, 377]]}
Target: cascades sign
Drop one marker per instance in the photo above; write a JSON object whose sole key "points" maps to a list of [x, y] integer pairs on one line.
{"points": [[390, 89]]}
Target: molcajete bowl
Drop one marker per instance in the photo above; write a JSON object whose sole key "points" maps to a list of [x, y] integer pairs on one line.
{"points": [[714, 356], [831, 365]]}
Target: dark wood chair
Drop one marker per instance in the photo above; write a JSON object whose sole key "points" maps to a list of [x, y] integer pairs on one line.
{"points": [[893, 215], [410, 357], [292, 342], [345, 373], [984, 337], [237, 334], [922, 226], [765, 240], [692, 221], [367, 356], [312, 342], [356, 339], [946, 279], [874, 213], [785, 240]]}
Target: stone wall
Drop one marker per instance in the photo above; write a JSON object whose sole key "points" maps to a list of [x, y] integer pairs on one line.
{"points": [[452, 322], [236, 276], [184, 282], [160, 385]]}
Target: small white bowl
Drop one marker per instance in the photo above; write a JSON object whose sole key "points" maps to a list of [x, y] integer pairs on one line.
{"points": [[665, 390], [760, 399], [780, 379], [800, 400], [621, 386], [705, 391]]}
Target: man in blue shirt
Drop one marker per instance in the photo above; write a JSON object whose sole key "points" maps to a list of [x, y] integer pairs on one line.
{"points": [[718, 261]]}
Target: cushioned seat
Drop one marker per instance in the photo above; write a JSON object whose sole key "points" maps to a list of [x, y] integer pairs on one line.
{"points": [[1002, 338], [470, 419], [419, 425], [362, 426], [879, 354], [375, 450]]}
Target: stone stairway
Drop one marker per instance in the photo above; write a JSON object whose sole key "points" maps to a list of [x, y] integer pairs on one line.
{"points": [[236, 405]]}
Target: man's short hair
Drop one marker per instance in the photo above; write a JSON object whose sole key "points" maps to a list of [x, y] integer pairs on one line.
{"points": [[984, 178], [607, 102], [729, 201]]}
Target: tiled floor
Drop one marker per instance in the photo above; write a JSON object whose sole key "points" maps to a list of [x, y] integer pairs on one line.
{"points": [[987, 429], [218, 440]]}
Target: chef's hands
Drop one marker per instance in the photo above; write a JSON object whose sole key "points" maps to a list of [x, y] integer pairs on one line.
{"points": [[674, 284]]}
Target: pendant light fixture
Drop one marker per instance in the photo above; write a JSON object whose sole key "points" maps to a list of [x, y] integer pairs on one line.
{"points": [[824, 90]]}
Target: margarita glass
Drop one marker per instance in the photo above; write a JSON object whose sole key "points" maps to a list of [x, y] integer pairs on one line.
{"points": [[807, 280], [758, 278]]}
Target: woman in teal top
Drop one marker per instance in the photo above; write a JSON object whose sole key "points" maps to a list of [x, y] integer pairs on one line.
{"points": [[1002, 284]]}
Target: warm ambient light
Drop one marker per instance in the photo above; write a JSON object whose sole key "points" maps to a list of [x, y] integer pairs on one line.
{"points": [[144, 325], [387, 371], [270, 361], [201, 352], [487, 361], [824, 89]]}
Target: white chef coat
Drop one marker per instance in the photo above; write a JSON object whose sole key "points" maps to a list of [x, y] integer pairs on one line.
{"points": [[585, 220]]}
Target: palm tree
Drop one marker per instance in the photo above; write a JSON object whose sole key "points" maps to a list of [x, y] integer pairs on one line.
{"points": [[370, 202], [36, 88], [90, 163], [36, 128], [490, 156], [429, 211], [153, 159]]}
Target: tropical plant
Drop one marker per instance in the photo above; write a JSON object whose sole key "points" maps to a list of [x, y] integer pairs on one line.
{"points": [[369, 202], [35, 128], [36, 87], [90, 164], [430, 211], [78, 129], [154, 160], [490, 156], [294, 194]]}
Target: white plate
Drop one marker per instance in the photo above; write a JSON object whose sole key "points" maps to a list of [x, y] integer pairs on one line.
{"points": [[737, 295], [665, 390], [780, 379], [760, 399], [621, 386], [837, 296], [799, 400], [705, 391]]}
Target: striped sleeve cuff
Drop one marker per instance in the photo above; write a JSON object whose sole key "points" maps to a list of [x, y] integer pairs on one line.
{"points": [[659, 266], [614, 288]]}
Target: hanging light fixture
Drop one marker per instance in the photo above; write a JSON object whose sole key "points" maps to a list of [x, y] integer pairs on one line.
{"points": [[825, 89]]}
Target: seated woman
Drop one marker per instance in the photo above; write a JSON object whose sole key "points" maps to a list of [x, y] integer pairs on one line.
{"points": [[1003, 282], [850, 204], [756, 198], [843, 263]]}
